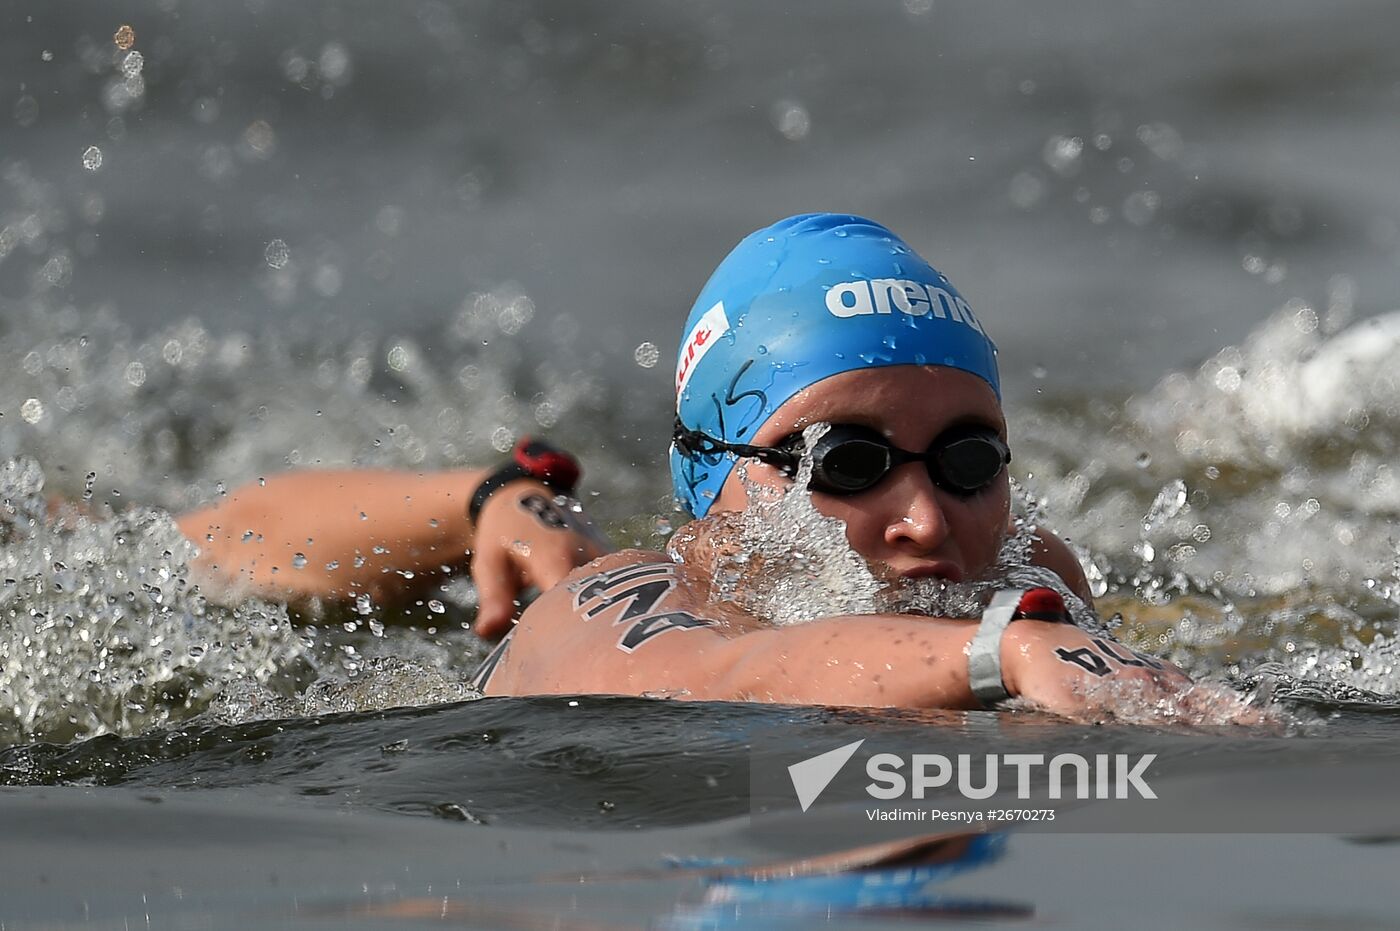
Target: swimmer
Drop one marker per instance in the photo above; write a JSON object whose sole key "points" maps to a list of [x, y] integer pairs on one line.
{"points": [[833, 320]]}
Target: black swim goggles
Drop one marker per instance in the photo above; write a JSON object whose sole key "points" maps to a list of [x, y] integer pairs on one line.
{"points": [[849, 459]]}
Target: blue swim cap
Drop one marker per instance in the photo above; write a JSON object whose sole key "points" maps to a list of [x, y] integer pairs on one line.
{"points": [[807, 298]]}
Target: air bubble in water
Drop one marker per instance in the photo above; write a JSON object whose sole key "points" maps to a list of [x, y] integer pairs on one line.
{"points": [[133, 63], [277, 254], [646, 355], [437, 607], [32, 410], [1062, 153], [792, 120], [1143, 460], [125, 37], [92, 158]]}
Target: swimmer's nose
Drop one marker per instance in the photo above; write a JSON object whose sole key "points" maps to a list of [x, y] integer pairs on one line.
{"points": [[920, 524]]}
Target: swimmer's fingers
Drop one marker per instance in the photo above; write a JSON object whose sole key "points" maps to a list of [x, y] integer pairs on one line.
{"points": [[498, 584], [527, 536], [556, 555]]}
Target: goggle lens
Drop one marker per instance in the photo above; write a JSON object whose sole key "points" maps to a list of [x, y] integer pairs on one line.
{"points": [[969, 464], [853, 466], [849, 459]]}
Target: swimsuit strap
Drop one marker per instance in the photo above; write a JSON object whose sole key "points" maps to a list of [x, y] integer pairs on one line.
{"points": [[984, 654], [483, 674]]}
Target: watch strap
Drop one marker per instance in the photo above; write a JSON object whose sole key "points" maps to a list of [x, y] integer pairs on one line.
{"points": [[530, 459]]}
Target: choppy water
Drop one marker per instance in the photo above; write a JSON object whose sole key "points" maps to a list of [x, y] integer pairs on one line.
{"points": [[322, 235], [1239, 517]]}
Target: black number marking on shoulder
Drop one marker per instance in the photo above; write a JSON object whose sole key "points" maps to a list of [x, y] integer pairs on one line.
{"points": [[658, 624], [546, 512], [640, 589], [594, 586]]}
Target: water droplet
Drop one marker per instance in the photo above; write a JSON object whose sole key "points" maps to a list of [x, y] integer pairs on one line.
{"points": [[792, 120], [125, 37], [1143, 460], [277, 255], [247, 535], [332, 565], [646, 355], [840, 234], [1025, 190], [1141, 206], [46, 55], [299, 561], [1062, 153], [435, 606], [92, 158], [32, 410]]}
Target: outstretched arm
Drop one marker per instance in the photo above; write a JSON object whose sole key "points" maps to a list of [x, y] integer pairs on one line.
{"points": [[635, 623], [339, 534]]}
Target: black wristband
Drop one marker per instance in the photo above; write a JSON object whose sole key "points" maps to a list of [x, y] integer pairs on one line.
{"points": [[532, 459]]}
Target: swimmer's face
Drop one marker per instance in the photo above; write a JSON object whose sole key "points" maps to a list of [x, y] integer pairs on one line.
{"points": [[904, 524]]}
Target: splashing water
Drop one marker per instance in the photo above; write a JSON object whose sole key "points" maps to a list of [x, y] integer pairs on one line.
{"points": [[1232, 529], [1259, 536], [784, 561], [103, 629]]}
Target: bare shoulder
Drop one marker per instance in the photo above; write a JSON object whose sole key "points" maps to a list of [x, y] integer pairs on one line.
{"points": [[1053, 553], [627, 623]]}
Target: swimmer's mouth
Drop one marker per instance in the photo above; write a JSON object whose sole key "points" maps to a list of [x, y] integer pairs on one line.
{"points": [[942, 569]]}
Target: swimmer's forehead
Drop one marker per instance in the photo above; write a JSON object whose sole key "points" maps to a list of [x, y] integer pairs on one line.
{"points": [[910, 401]]}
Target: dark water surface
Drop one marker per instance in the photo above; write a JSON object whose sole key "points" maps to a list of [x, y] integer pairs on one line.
{"points": [[613, 812]]}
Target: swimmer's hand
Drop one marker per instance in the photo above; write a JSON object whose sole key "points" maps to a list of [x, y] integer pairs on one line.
{"points": [[1070, 672], [528, 536]]}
